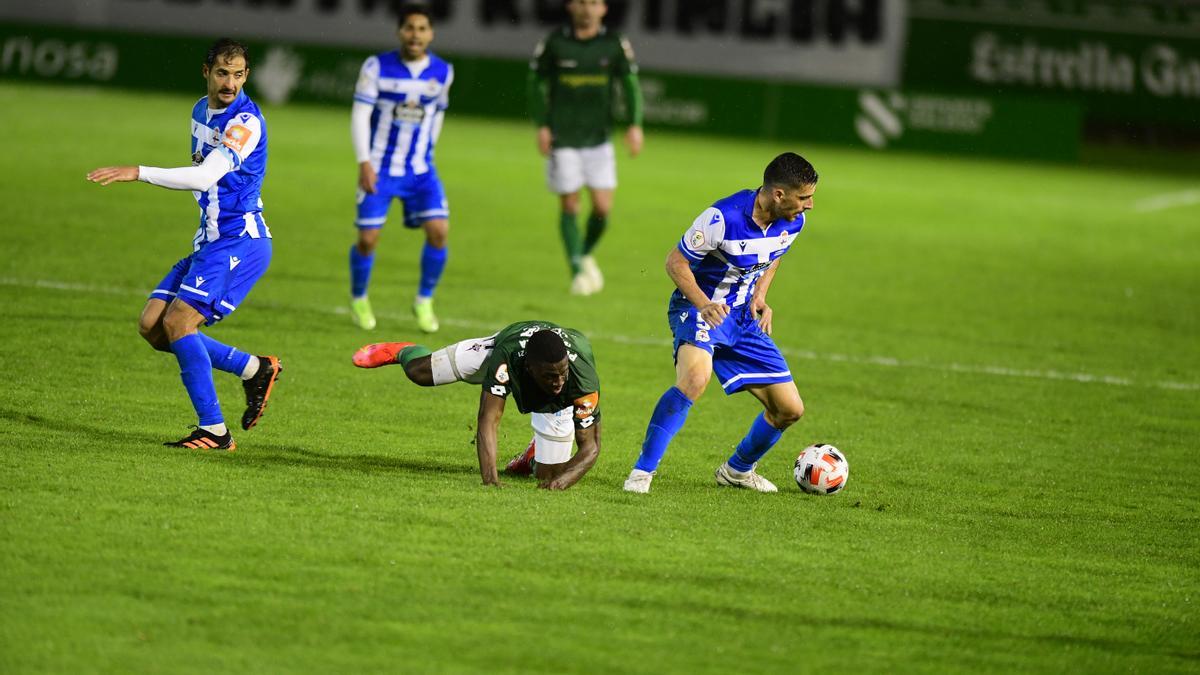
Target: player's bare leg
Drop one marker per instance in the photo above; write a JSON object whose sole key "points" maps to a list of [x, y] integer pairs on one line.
{"points": [[782, 406], [693, 370], [602, 200], [360, 306], [150, 325], [433, 261]]}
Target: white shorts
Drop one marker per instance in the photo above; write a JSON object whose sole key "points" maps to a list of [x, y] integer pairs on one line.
{"points": [[553, 433], [570, 169]]}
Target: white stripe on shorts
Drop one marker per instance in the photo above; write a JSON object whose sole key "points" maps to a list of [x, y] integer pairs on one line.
{"points": [[735, 378]]}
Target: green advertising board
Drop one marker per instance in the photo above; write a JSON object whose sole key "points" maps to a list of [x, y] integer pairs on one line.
{"points": [[1122, 61], [916, 120]]}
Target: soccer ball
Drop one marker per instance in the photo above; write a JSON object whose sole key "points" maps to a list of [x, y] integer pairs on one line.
{"points": [[822, 469]]}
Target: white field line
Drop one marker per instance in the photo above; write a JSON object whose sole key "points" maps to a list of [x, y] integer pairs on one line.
{"points": [[1167, 200], [882, 361]]}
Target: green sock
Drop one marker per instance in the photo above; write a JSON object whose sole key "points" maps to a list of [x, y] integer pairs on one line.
{"points": [[595, 229], [570, 236], [412, 352]]}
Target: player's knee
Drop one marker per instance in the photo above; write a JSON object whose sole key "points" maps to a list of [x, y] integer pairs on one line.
{"points": [[438, 234], [419, 371], [787, 415], [153, 334], [693, 384], [367, 241]]}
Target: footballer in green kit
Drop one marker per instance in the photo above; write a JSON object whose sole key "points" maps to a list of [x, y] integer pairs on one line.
{"points": [[548, 370], [571, 84]]}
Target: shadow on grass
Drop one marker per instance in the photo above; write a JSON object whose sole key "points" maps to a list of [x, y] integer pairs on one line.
{"points": [[274, 454], [967, 635], [253, 454], [67, 426]]}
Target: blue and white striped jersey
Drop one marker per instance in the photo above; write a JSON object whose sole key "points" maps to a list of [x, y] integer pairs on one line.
{"points": [[410, 100], [728, 251], [229, 208]]}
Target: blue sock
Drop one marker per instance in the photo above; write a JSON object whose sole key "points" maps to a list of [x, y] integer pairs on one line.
{"points": [[195, 368], [360, 272], [433, 261], [761, 438], [668, 418], [224, 357]]}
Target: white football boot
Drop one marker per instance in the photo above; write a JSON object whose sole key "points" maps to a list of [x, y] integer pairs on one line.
{"points": [[589, 268], [639, 481], [727, 475], [581, 284]]}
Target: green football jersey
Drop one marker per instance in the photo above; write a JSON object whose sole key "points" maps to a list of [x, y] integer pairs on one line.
{"points": [[504, 373], [579, 76]]}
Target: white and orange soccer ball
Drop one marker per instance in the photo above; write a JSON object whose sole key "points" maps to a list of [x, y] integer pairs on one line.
{"points": [[822, 469]]}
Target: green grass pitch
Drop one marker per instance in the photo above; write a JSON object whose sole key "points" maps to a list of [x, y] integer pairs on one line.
{"points": [[1008, 354]]}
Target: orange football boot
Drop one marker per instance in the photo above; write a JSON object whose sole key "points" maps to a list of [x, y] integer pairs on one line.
{"points": [[379, 354]]}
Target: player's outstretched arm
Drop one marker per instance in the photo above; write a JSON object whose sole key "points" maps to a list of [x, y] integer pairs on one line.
{"points": [[113, 174], [491, 408], [201, 177], [563, 476], [680, 272]]}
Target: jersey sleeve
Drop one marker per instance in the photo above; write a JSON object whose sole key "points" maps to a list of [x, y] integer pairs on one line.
{"points": [[624, 63], [242, 135], [367, 88], [496, 377], [542, 63], [705, 234], [587, 410], [443, 101], [587, 382]]}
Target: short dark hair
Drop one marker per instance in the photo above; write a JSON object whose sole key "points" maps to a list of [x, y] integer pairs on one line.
{"points": [[545, 346], [789, 170], [413, 8], [225, 49]]}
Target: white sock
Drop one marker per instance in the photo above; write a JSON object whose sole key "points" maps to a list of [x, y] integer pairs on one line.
{"points": [[215, 429], [251, 368]]}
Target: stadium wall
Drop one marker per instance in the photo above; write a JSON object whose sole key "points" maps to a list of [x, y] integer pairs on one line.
{"points": [[818, 71]]}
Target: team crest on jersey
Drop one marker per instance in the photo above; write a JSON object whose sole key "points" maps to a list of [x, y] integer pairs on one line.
{"points": [[502, 373], [697, 239], [701, 336], [783, 238], [432, 87]]}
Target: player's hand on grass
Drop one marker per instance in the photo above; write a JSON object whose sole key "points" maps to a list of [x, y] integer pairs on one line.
{"points": [[714, 313], [113, 174], [762, 310], [545, 141], [367, 177], [634, 139]]}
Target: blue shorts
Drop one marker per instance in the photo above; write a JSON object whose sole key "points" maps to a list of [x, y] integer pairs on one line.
{"points": [[742, 353], [422, 196], [215, 279]]}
